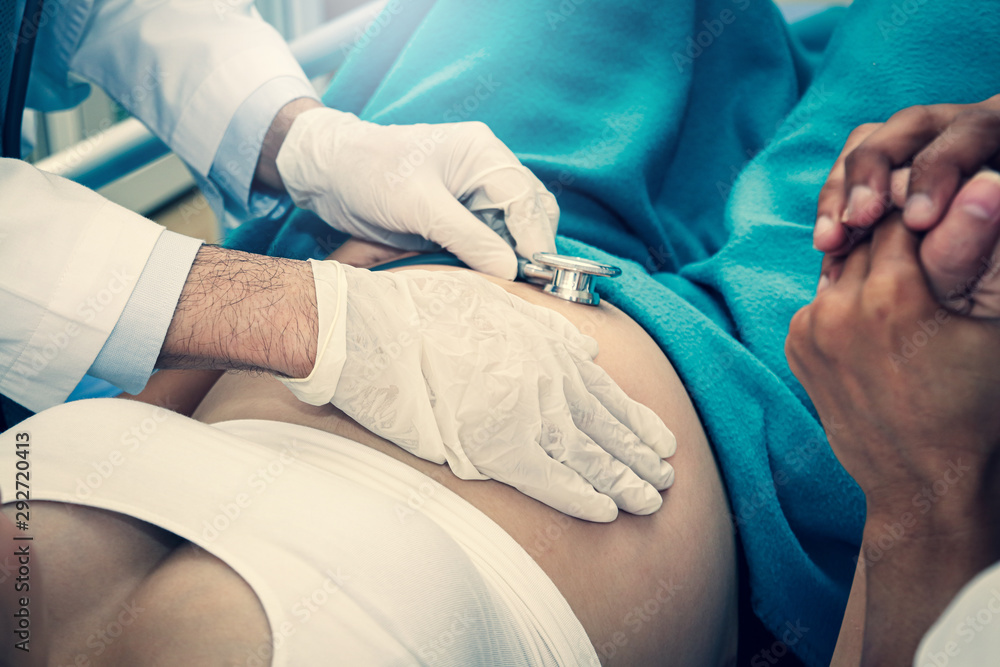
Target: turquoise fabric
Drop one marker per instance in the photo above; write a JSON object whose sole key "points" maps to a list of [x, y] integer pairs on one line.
{"points": [[687, 141]]}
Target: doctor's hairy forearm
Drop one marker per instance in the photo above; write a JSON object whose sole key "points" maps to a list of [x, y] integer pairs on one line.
{"points": [[241, 311]]}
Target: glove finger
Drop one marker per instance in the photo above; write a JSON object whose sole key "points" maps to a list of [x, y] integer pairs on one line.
{"points": [[635, 416], [558, 324], [530, 212], [551, 207], [569, 445], [528, 222], [536, 474], [497, 445], [457, 230], [533, 218], [596, 421]]}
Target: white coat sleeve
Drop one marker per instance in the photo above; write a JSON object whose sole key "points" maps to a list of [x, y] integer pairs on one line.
{"points": [[70, 260], [183, 67]]}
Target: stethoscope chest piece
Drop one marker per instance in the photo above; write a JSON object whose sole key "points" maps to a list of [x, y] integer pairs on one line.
{"points": [[566, 277]]}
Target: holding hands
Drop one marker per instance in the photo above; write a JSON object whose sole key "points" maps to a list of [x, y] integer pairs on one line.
{"points": [[928, 161], [911, 387], [900, 353]]}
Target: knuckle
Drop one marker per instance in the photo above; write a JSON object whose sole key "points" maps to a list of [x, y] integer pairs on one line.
{"points": [[879, 294], [800, 326], [479, 129], [832, 321], [978, 116], [863, 130], [933, 166], [888, 298], [916, 116], [862, 156], [832, 191]]}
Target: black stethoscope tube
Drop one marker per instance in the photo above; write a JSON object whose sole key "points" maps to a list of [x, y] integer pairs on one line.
{"points": [[10, 139]]}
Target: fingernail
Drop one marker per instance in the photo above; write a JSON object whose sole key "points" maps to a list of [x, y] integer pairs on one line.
{"points": [[825, 226], [981, 196], [824, 282], [919, 209], [860, 201]]}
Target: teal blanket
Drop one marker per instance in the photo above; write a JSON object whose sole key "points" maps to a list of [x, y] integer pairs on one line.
{"points": [[687, 141]]}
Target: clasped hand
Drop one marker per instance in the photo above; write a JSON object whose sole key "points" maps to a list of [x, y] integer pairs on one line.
{"points": [[904, 386]]}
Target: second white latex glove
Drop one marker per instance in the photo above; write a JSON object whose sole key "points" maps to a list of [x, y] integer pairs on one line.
{"points": [[416, 187], [454, 369]]}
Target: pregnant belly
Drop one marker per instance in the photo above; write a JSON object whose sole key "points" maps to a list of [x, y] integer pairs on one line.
{"points": [[646, 589]]}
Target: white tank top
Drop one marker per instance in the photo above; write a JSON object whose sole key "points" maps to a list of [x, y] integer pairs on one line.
{"points": [[357, 559]]}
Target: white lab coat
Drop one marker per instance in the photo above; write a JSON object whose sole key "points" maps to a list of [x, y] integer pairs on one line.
{"points": [[69, 259]]}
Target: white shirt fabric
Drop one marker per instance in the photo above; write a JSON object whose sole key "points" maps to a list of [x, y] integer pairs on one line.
{"points": [[967, 634], [356, 558]]}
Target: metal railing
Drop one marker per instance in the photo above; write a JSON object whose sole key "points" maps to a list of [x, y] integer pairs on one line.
{"points": [[128, 145]]}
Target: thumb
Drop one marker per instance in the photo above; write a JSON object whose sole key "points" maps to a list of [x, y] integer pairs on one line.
{"points": [[460, 232], [957, 253]]}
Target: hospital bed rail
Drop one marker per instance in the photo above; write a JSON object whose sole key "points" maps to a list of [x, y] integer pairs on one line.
{"points": [[127, 146]]}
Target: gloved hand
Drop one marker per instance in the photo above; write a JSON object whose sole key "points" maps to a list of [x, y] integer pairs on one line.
{"points": [[418, 186], [452, 368]]}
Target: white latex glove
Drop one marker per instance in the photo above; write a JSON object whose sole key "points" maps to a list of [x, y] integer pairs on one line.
{"points": [[419, 186], [452, 368]]}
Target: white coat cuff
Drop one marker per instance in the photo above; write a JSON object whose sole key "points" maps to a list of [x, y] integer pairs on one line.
{"points": [[129, 355], [207, 114], [90, 289], [236, 160]]}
